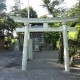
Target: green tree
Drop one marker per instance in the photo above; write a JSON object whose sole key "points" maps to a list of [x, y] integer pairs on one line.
{"points": [[51, 38], [2, 5], [74, 11], [15, 11], [16, 8], [7, 25], [73, 37], [24, 13], [50, 5]]}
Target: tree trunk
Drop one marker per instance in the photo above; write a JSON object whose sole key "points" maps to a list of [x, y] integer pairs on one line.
{"points": [[60, 57], [54, 46]]}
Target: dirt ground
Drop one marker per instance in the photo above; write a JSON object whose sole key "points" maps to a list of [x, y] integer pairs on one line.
{"points": [[44, 66]]}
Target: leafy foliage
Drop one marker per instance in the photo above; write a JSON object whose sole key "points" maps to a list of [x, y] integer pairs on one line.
{"points": [[24, 13], [2, 5], [73, 11], [6, 23], [51, 37], [50, 5]]}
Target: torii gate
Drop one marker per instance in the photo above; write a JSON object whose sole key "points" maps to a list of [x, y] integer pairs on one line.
{"points": [[45, 22]]}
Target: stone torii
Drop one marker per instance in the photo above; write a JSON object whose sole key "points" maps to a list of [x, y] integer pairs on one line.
{"points": [[45, 22]]}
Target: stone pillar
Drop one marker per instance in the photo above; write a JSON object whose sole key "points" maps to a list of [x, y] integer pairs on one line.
{"points": [[45, 25], [36, 47], [66, 52], [28, 42], [16, 46], [30, 55], [25, 48], [28, 32]]}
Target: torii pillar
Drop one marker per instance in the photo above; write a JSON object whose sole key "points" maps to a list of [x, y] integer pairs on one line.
{"points": [[25, 48], [66, 52]]}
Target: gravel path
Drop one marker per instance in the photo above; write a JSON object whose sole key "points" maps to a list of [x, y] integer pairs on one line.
{"points": [[43, 67]]}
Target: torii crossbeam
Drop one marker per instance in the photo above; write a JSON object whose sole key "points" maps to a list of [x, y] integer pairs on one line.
{"points": [[43, 20], [59, 29]]}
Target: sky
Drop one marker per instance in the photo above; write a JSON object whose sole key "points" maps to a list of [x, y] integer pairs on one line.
{"points": [[36, 4]]}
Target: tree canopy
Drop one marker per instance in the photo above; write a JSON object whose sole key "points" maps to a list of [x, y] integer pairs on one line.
{"points": [[6, 23], [24, 13], [2, 5], [50, 5]]}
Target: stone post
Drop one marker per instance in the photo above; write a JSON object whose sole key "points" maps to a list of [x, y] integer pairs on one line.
{"points": [[66, 53], [25, 48], [16, 46], [30, 55], [45, 25]]}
